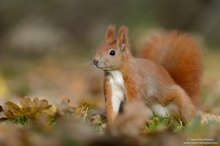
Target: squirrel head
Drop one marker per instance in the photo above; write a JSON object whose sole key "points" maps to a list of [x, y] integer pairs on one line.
{"points": [[110, 55]]}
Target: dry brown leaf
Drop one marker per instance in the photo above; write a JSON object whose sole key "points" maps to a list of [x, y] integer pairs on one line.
{"points": [[207, 117], [66, 106], [28, 108], [133, 118], [1, 109]]}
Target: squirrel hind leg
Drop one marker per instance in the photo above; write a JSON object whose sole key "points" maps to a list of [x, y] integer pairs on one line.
{"points": [[180, 104]]}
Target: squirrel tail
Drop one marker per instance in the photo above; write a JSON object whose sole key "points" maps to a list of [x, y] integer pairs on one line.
{"points": [[180, 55]]}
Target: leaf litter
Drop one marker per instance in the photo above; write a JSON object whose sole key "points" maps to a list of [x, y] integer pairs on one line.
{"points": [[37, 122]]}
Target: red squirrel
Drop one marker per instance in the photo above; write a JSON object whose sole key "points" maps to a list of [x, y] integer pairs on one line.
{"points": [[167, 79]]}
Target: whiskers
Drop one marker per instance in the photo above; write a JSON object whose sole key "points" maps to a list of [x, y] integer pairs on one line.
{"points": [[86, 80], [90, 69]]}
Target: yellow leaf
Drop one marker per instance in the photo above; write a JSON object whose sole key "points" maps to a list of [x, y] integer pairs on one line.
{"points": [[15, 109], [28, 108]]}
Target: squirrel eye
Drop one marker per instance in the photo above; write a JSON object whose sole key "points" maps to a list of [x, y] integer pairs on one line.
{"points": [[112, 53]]}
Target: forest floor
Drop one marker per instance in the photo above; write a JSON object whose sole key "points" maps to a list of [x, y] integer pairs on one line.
{"points": [[59, 101]]}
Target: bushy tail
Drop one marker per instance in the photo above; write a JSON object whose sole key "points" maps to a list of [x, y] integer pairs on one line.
{"points": [[179, 54]]}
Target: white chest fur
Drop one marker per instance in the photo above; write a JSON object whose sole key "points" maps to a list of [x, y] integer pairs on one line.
{"points": [[118, 89]]}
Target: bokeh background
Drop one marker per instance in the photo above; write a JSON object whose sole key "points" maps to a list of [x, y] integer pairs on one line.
{"points": [[46, 47]]}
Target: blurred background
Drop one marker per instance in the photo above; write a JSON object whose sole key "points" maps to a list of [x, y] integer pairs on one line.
{"points": [[46, 47]]}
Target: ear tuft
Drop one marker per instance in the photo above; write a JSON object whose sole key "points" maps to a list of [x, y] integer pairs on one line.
{"points": [[110, 34], [122, 36]]}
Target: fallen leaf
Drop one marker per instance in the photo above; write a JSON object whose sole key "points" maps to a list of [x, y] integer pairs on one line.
{"points": [[28, 108]]}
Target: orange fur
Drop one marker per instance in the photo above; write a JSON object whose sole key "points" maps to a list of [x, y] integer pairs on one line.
{"points": [[130, 83], [180, 56], [169, 77], [110, 33]]}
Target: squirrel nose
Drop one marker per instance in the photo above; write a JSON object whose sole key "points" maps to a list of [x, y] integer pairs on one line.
{"points": [[95, 61]]}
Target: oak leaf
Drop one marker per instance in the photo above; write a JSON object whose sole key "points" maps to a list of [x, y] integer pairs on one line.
{"points": [[28, 108]]}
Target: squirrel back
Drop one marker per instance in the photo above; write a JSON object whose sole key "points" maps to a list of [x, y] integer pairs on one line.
{"points": [[179, 54]]}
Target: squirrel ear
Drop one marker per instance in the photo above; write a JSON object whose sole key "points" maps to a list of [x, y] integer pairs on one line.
{"points": [[110, 34], [122, 40]]}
